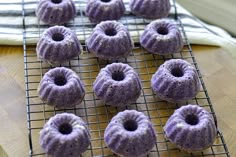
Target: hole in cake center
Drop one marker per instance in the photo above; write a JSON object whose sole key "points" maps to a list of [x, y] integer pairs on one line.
{"points": [[57, 37], [118, 75], [162, 31], [192, 119], [110, 32], [105, 1], [177, 72], [65, 129], [130, 125], [56, 1], [60, 80]]}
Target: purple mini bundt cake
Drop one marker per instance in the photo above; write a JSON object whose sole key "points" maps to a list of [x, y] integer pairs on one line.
{"points": [[117, 84], [162, 37], [191, 128], [110, 40], [151, 9], [57, 45], [55, 11], [102, 10], [65, 135], [130, 134], [176, 81], [61, 87]]}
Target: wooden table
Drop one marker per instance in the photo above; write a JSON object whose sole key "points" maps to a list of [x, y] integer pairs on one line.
{"points": [[217, 66]]}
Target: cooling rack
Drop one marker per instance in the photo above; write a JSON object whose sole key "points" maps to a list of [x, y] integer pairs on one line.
{"points": [[94, 111]]}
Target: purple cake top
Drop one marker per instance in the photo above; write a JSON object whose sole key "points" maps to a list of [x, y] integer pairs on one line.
{"points": [[191, 128], [110, 40], [65, 135], [103, 10], [55, 11], [151, 9], [130, 134], [58, 44], [61, 87], [162, 37], [117, 84], [176, 81]]}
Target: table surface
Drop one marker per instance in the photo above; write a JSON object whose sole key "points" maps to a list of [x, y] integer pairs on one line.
{"points": [[217, 66]]}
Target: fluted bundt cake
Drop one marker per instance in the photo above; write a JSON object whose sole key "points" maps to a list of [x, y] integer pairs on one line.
{"points": [[130, 134], [110, 40], [117, 84], [61, 87], [57, 45], [151, 9], [65, 135], [102, 10], [162, 37], [176, 81], [191, 128], [55, 11]]}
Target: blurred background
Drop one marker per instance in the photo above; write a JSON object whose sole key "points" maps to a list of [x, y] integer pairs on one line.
{"points": [[217, 12]]}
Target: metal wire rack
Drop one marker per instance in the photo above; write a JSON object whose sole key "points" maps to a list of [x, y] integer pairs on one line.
{"points": [[93, 110]]}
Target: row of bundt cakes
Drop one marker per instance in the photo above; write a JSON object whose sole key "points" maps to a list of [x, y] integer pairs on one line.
{"points": [[110, 40], [130, 133], [62, 11], [118, 84]]}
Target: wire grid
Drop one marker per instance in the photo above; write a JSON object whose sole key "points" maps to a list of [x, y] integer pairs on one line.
{"points": [[94, 111]]}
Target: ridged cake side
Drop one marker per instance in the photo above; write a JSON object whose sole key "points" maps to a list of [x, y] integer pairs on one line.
{"points": [[117, 84], [162, 37], [176, 81], [101, 10], [110, 40], [130, 134], [151, 9], [61, 87], [191, 128], [55, 11], [57, 45], [64, 135]]}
